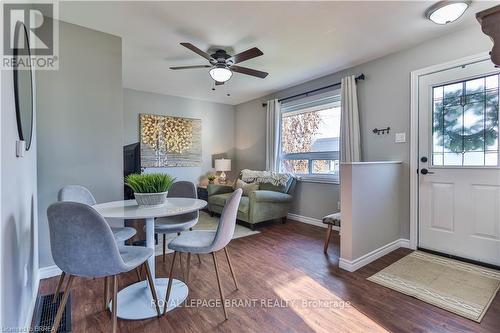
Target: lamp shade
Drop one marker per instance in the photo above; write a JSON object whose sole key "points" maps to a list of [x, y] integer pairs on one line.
{"points": [[220, 73], [223, 164], [444, 12]]}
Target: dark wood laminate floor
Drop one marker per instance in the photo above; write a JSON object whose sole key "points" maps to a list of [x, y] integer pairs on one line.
{"points": [[283, 262]]}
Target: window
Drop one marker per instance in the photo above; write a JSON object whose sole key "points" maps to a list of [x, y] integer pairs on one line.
{"points": [[465, 123], [310, 130]]}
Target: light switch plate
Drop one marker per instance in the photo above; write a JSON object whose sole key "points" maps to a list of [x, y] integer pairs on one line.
{"points": [[400, 137]]}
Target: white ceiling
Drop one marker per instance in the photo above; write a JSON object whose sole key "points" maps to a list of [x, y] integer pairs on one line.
{"points": [[300, 40]]}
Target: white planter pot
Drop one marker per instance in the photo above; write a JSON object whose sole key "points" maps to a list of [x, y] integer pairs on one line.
{"points": [[150, 199]]}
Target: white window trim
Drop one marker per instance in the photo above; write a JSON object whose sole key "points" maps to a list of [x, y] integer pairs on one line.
{"points": [[323, 179]]}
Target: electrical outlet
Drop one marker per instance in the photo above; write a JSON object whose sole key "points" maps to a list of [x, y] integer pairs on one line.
{"points": [[400, 137]]}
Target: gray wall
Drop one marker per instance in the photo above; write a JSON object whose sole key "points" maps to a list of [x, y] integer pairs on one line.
{"points": [[18, 229], [80, 121], [217, 123], [384, 100]]}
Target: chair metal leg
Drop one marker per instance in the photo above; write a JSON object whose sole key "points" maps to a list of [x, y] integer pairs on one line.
{"points": [[187, 266], [106, 293], [231, 268], [181, 265], [59, 286], [169, 286], [141, 270], [164, 246], [199, 258], [327, 238], [152, 288], [115, 301], [220, 286], [62, 305], [138, 273]]}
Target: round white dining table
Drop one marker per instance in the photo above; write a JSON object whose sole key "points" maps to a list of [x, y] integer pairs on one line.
{"points": [[135, 301]]}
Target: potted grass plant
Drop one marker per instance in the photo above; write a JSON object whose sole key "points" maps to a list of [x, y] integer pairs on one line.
{"points": [[211, 178], [150, 189]]}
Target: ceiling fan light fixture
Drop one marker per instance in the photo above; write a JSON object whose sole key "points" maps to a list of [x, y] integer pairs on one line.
{"points": [[444, 12], [220, 73]]}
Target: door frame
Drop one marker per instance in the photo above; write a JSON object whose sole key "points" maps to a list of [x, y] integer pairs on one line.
{"points": [[414, 133]]}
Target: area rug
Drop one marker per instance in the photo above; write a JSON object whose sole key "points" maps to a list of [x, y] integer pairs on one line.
{"points": [[464, 289], [206, 222]]}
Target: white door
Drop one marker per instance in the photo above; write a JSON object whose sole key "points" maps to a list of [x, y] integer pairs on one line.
{"points": [[459, 174]]}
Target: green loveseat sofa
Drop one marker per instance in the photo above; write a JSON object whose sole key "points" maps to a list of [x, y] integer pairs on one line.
{"points": [[267, 203]]}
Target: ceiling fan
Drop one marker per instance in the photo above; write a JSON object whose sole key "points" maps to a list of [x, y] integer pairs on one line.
{"points": [[223, 65]]}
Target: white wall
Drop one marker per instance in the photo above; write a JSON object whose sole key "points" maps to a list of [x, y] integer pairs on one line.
{"points": [[384, 100], [370, 210], [18, 233], [80, 122], [217, 126]]}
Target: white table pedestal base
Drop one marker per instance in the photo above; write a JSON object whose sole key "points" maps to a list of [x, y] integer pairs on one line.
{"points": [[135, 302]]}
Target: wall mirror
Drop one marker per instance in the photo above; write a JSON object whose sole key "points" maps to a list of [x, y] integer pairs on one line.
{"points": [[23, 84]]}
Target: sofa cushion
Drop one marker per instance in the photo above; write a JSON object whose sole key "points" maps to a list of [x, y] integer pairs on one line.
{"points": [[270, 197], [246, 187], [275, 188], [220, 200], [244, 205]]}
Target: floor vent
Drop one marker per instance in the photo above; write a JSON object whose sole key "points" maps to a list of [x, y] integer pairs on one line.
{"points": [[45, 313]]}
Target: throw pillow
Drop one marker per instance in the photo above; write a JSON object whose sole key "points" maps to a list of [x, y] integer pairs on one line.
{"points": [[246, 187]]}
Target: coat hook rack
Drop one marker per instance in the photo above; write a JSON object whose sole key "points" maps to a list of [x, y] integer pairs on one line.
{"points": [[379, 131]]}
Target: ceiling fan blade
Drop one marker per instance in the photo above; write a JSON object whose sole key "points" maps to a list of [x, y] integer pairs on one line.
{"points": [[189, 67], [246, 55], [248, 71], [217, 83], [197, 50]]}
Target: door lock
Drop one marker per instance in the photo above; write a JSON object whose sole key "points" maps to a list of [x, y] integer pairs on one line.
{"points": [[425, 172], [423, 159]]}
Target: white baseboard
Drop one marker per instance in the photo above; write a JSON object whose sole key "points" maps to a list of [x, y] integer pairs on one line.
{"points": [[310, 220], [356, 264], [49, 271], [404, 243]]}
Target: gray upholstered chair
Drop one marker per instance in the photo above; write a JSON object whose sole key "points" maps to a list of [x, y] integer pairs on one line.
{"points": [[179, 223], [78, 193], [200, 241], [83, 245]]}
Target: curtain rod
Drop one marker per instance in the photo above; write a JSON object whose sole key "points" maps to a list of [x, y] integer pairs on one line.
{"points": [[359, 77]]}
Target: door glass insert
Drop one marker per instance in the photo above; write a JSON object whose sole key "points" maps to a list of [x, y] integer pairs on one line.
{"points": [[465, 123]]}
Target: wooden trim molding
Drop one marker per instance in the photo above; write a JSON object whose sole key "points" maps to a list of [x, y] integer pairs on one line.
{"points": [[490, 24]]}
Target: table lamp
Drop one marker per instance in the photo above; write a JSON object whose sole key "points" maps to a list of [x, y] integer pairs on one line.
{"points": [[222, 165]]}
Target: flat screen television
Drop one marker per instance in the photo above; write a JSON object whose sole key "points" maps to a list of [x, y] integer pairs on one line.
{"points": [[131, 164]]}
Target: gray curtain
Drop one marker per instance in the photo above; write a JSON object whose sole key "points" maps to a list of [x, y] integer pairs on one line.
{"points": [[350, 141], [273, 135]]}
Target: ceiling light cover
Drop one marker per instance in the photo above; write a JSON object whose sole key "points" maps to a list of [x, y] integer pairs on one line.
{"points": [[445, 12], [220, 73]]}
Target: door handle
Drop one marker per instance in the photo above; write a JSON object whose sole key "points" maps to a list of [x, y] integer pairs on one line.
{"points": [[424, 171]]}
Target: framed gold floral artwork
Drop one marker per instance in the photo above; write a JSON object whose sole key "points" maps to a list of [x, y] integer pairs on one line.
{"points": [[168, 141]]}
